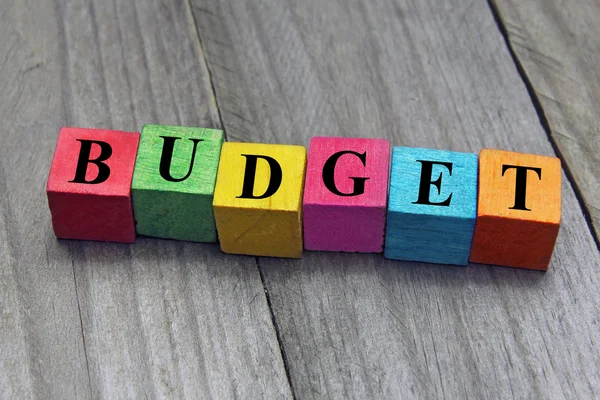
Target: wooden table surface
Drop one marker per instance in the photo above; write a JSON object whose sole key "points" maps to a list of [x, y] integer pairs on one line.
{"points": [[167, 319]]}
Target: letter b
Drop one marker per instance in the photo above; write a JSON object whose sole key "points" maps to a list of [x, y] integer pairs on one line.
{"points": [[84, 160]]}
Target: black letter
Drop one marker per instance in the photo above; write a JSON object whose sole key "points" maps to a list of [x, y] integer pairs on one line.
{"points": [[521, 185], [250, 175], [328, 174], [167, 156], [84, 160], [426, 182]]}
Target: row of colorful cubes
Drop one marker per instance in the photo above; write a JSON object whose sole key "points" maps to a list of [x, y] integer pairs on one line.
{"points": [[426, 205]]}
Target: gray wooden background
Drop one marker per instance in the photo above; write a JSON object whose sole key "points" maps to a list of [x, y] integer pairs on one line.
{"points": [[166, 319]]}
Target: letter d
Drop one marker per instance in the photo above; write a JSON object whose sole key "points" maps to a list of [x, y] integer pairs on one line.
{"points": [[250, 176]]}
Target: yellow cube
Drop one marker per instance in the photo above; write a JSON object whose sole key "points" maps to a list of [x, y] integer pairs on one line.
{"points": [[258, 199]]}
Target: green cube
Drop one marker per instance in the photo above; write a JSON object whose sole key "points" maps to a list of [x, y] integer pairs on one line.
{"points": [[174, 182]]}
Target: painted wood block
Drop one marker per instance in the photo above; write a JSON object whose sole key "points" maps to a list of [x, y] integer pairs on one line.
{"points": [[519, 209], [89, 185], [432, 206], [174, 182], [258, 199], [345, 194]]}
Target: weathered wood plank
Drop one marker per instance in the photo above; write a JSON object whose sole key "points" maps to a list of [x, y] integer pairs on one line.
{"points": [[41, 348], [558, 46], [80, 319], [429, 74]]}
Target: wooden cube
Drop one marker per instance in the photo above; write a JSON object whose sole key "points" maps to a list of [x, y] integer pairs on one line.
{"points": [[432, 206], [258, 199], [89, 185], [345, 194], [174, 182], [519, 209]]}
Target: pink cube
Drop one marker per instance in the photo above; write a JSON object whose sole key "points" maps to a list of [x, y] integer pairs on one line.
{"points": [[345, 194]]}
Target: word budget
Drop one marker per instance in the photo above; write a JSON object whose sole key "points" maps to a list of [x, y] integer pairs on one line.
{"points": [[347, 195]]}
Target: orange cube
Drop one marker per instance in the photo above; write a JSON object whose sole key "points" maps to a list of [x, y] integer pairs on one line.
{"points": [[518, 210]]}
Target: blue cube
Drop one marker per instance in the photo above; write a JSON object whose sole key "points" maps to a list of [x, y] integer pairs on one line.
{"points": [[432, 206]]}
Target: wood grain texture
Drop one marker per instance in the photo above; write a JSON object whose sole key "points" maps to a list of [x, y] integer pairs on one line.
{"points": [[258, 199], [432, 205], [518, 209], [557, 43], [426, 74], [174, 182], [157, 319], [345, 194]]}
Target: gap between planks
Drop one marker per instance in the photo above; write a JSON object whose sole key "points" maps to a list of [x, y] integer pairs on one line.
{"points": [[231, 114], [537, 105], [256, 260]]}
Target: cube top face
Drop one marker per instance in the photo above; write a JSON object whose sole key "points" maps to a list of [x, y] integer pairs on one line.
{"points": [[231, 178], [347, 172], [178, 159], [436, 183], [93, 161], [519, 186]]}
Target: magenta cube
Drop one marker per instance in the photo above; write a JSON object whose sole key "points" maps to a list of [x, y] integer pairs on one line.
{"points": [[345, 194]]}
